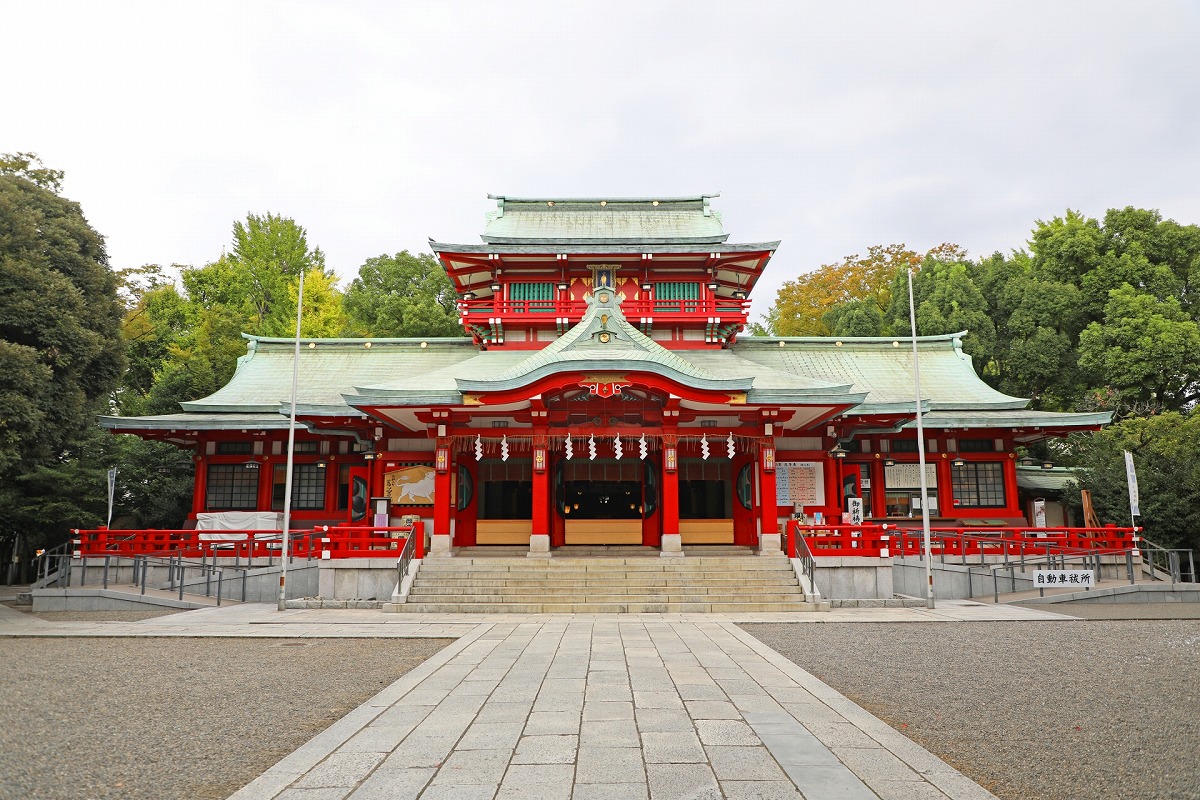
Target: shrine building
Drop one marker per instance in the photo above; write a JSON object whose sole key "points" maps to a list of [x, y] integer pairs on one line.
{"points": [[603, 394]]}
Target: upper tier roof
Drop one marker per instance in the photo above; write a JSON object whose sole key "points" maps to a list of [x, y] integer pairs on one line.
{"points": [[617, 220]]}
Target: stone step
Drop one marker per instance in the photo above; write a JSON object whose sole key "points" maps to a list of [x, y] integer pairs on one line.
{"points": [[653, 564], [585, 607], [535, 586], [538, 569], [537, 575], [610, 597]]}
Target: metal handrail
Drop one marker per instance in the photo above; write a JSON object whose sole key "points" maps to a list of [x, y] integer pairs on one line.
{"points": [[404, 562], [177, 567], [1089, 560], [798, 549], [1171, 557]]}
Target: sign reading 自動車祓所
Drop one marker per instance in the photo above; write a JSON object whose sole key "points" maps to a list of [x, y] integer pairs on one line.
{"points": [[1078, 578]]}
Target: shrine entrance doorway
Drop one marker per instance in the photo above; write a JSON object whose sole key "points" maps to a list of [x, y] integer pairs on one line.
{"points": [[605, 501]]}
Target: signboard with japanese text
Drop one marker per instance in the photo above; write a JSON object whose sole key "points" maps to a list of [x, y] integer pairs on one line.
{"points": [[908, 476], [800, 483], [1063, 578], [854, 510]]}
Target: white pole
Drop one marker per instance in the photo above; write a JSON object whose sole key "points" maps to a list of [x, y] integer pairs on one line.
{"points": [[912, 318], [291, 453]]}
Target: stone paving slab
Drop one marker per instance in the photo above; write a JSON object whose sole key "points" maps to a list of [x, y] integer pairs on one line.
{"points": [[543, 724], [584, 706]]}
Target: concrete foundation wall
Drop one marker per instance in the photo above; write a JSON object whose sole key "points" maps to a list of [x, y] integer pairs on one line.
{"points": [[356, 579], [1141, 593], [854, 578], [950, 581], [99, 600]]}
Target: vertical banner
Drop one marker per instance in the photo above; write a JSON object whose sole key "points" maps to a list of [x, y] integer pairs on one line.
{"points": [[854, 510], [112, 487], [1131, 476]]}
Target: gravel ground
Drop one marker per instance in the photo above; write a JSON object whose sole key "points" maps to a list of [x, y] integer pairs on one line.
{"points": [[1086, 710], [132, 615], [175, 718]]}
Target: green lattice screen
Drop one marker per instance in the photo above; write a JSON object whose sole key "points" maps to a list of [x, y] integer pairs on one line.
{"points": [[676, 296], [542, 295]]}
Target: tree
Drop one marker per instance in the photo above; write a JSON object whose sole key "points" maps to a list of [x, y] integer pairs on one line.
{"points": [[1146, 349], [185, 344], [1037, 324], [1166, 450], [402, 296], [947, 300], [269, 254], [61, 354], [801, 304]]}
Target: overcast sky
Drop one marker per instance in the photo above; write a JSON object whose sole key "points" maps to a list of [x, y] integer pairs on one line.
{"points": [[830, 126]]}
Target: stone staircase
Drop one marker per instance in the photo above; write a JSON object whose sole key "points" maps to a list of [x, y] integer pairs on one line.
{"points": [[608, 582]]}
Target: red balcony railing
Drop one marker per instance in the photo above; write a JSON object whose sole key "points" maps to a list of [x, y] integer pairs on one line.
{"points": [[489, 306], [321, 542], [874, 540]]}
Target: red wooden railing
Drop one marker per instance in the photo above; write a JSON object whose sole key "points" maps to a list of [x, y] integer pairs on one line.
{"points": [[322, 542], [880, 540]]}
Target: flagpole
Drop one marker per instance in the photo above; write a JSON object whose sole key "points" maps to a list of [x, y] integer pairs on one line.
{"points": [[912, 318], [291, 453]]}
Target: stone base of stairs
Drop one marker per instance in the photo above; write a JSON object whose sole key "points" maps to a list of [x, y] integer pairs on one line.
{"points": [[606, 581]]}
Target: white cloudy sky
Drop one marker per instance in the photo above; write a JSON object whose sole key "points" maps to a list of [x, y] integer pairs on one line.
{"points": [[830, 126]]}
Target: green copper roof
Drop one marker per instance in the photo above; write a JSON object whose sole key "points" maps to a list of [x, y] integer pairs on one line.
{"points": [[1020, 418], [1037, 479], [197, 422], [883, 368], [635, 221], [263, 380]]}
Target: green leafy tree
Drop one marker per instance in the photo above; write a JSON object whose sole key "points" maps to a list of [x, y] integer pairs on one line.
{"points": [[61, 354], [269, 254], [947, 300], [801, 304], [400, 296], [1037, 324], [855, 318], [1146, 349], [1166, 450]]}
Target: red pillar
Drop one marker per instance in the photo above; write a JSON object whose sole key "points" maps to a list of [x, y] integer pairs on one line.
{"points": [[670, 486], [443, 495], [201, 482], [541, 486], [768, 502]]}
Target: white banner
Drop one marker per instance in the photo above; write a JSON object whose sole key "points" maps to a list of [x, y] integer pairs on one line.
{"points": [[112, 487], [1131, 477]]}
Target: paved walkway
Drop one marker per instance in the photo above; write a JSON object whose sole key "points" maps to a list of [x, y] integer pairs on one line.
{"points": [[584, 707]]}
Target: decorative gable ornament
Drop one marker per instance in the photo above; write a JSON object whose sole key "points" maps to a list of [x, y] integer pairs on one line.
{"points": [[605, 388]]}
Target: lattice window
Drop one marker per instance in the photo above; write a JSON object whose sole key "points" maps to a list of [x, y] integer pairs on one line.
{"points": [[231, 487], [979, 485], [308, 487]]}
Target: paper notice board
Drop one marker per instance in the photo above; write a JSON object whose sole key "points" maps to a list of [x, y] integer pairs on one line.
{"points": [[800, 483]]}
